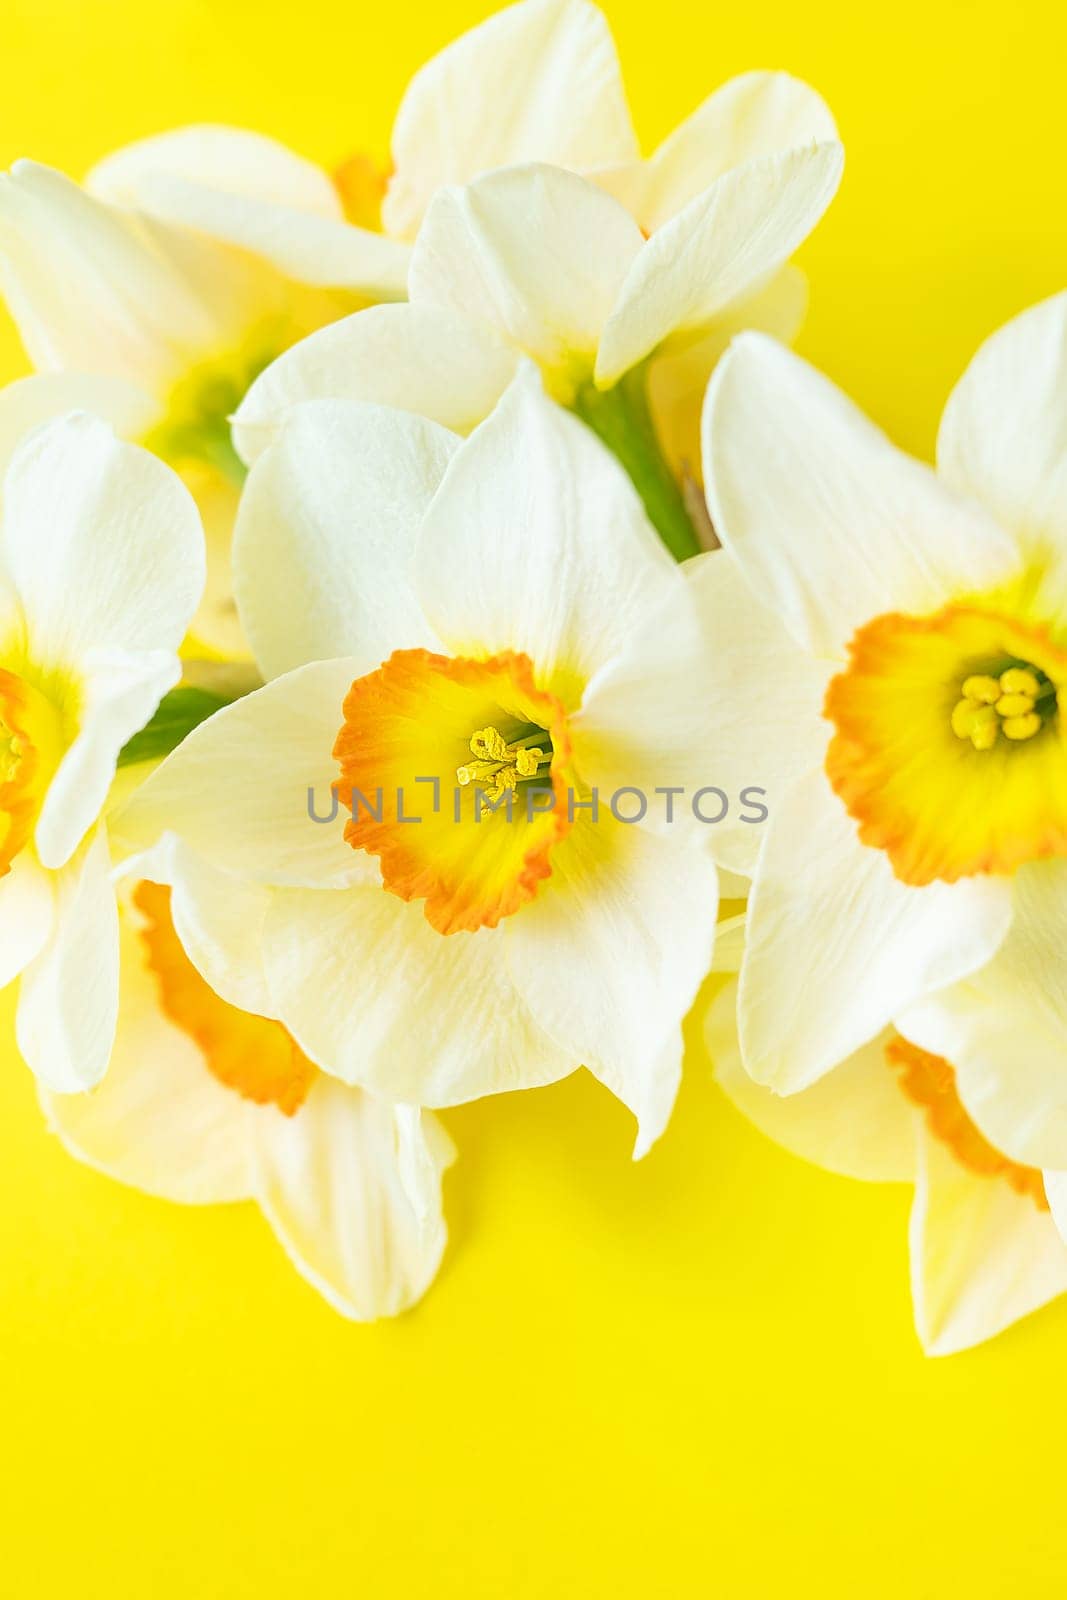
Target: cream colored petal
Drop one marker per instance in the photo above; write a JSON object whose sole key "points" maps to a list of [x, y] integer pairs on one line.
{"points": [[159, 1121], [102, 543], [351, 1185], [28, 403], [757, 114], [119, 692], [982, 1256], [678, 376], [611, 954], [1003, 436], [723, 247], [26, 914], [1004, 1028], [378, 998], [417, 358], [536, 541], [326, 534], [837, 946], [250, 788], [94, 288], [831, 524], [537, 254], [855, 1120], [538, 81], [1056, 1194], [68, 999], [709, 695], [233, 161]]}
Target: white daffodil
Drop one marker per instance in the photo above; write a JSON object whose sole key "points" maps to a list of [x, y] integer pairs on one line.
{"points": [[479, 644], [907, 632], [572, 251], [101, 567], [208, 1101], [984, 1250], [159, 328]]}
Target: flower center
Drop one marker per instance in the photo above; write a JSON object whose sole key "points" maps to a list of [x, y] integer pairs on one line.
{"points": [[196, 428], [499, 766], [30, 749], [929, 1081], [950, 748], [254, 1056], [1015, 703], [465, 821]]}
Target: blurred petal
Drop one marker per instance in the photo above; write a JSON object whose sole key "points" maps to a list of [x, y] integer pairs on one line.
{"points": [[69, 995], [982, 1256], [757, 114], [723, 247], [159, 1121], [351, 1185], [855, 1120], [28, 403], [538, 81]]}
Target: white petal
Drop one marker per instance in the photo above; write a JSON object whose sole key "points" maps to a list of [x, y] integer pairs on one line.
{"points": [[536, 541], [303, 245], [1004, 432], [611, 954], [678, 376], [1005, 1028], [855, 1120], [98, 289], [159, 1121], [352, 1187], [29, 402], [326, 533], [537, 253], [102, 542], [982, 1256], [218, 918], [234, 161], [417, 358], [119, 693], [756, 114], [1056, 1194], [539, 81], [837, 946], [832, 525], [244, 788], [376, 997], [26, 912], [709, 692], [68, 1001], [721, 248]]}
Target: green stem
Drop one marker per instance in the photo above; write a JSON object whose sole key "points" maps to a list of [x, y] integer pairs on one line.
{"points": [[178, 713], [620, 416]]}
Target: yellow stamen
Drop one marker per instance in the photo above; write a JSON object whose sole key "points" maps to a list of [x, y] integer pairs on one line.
{"points": [[1019, 680], [1021, 727], [499, 765], [1015, 705], [983, 690]]}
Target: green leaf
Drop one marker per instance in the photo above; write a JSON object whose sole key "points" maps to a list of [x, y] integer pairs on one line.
{"points": [[178, 713]]}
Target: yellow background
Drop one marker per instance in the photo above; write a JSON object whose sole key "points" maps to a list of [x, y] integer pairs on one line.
{"points": [[693, 1377]]}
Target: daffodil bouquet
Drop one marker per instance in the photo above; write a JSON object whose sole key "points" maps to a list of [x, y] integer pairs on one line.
{"points": [[448, 636]]}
